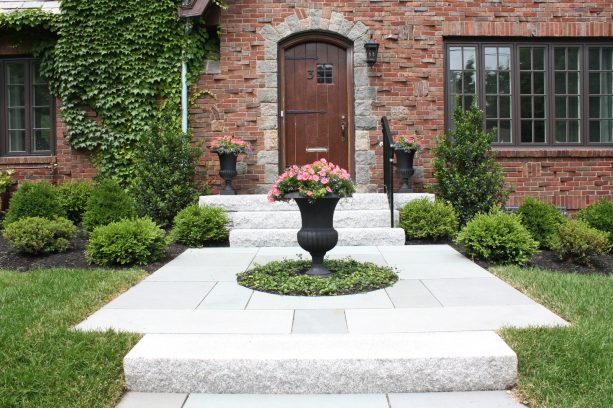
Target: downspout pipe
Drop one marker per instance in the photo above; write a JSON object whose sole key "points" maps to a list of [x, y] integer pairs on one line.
{"points": [[184, 87]]}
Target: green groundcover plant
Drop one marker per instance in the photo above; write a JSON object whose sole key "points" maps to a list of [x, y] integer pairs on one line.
{"points": [[37, 236], [423, 219], [288, 277]]}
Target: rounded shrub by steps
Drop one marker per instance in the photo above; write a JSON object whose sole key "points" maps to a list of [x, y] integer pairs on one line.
{"points": [[197, 226], [139, 241], [108, 203], [288, 277], [423, 219], [34, 200], [599, 216], [73, 197], [541, 219], [498, 237], [577, 242], [38, 236]]}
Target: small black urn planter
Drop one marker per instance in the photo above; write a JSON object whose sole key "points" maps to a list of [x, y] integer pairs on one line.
{"points": [[317, 235], [404, 161], [227, 164]]}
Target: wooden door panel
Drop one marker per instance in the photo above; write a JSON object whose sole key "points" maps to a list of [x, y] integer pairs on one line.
{"points": [[314, 104]]}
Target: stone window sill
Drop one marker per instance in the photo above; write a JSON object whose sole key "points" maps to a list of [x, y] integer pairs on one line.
{"points": [[25, 160]]}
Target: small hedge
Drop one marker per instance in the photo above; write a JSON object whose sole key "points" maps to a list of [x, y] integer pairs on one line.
{"points": [[108, 203], [73, 197], [34, 200], [498, 237], [541, 219], [423, 219], [599, 216], [288, 278], [577, 242], [197, 226], [37, 235], [139, 241]]}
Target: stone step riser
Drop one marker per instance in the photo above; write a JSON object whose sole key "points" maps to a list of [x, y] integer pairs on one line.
{"points": [[291, 219], [259, 202], [314, 364], [248, 238]]}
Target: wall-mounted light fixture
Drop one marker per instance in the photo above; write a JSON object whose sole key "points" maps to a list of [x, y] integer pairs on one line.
{"points": [[372, 51]]}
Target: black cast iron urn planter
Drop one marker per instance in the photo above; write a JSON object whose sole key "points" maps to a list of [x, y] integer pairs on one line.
{"points": [[317, 235], [227, 164], [404, 162]]}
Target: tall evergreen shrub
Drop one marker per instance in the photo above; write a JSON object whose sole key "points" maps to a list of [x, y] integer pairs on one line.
{"points": [[465, 167]]}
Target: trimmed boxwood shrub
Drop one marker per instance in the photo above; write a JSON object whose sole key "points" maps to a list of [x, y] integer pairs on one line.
{"points": [[139, 241], [34, 200], [108, 203], [577, 242], [423, 219], [498, 237], [599, 216], [197, 226], [37, 235], [541, 219], [73, 196]]}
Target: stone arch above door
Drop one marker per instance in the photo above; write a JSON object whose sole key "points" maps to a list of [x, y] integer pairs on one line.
{"points": [[364, 97]]}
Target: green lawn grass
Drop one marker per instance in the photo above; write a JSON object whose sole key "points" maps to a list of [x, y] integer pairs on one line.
{"points": [[42, 362], [565, 367]]}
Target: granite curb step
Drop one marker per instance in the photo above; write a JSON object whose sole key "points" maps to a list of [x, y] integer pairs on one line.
{"points": [[291, 219], [320, 364]]}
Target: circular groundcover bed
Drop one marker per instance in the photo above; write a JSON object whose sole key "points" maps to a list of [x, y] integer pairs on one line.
{"points": [[288, 277]]}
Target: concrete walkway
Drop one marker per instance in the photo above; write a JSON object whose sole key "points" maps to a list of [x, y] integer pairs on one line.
{"points": [[439, 322]]}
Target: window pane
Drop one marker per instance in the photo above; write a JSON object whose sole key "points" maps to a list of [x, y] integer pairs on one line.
{"points": [[526, 131], [42, 118], [601, 94], [538, 82], [504, 103], [455, 58], [498, 90], [504, 82], [525, 85], [538, 62], [17, 141], [526, 107], [568, 91], [17, 118], [491, 85], [41, 96], [462, 77], [491, 107], [539, 106], [469, 58], [525, 58], [16, 95], [16, 73], [504, 131], [539, 132], [42, 139], [491, 58], [469, 81]]}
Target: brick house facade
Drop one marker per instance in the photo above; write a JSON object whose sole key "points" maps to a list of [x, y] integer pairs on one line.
{"points": [[408, 84]]}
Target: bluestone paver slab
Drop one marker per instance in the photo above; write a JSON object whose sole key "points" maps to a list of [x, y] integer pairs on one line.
{"points": [[286, 401], [191, 321], [162, 295], [450, 319], [226, 295], [478, 399], [411, 293], [370, 300], [441, 270], [193, 274], [152, 400], [410, 254], [319, 321], [476, 292]]}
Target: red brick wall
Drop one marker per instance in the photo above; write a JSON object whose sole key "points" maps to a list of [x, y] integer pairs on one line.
{"points": [[410, 74], [66, 163]]}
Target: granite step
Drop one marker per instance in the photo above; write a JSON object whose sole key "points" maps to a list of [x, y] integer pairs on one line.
{"points": [[320, 364], [247, 238], [259, 202], [291, 219]]}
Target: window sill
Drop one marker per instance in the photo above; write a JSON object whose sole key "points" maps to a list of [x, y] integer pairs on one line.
{"points": [[506, 152], [23, 160]]}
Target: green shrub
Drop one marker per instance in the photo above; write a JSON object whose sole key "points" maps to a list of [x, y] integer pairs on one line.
{"points": [[423, 219], [599, 216], [34, 200], [37, 235], [73, 196], [541, 219], [165, 168], [498, 237], [107, 203], [197, 226], [139, 241], [465, 167], [576, 241]]}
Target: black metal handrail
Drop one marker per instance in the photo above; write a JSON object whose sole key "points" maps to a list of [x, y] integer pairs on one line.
{"points": [[388, 165]]}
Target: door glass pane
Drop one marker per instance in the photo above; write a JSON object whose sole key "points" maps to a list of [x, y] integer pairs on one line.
{"points": [[601, 94]]}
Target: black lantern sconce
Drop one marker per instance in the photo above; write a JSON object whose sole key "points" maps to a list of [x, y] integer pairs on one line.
{"points": [[372, 51]]}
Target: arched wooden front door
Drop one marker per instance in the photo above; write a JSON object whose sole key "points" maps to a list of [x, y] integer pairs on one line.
{"points": [[316, 97]]}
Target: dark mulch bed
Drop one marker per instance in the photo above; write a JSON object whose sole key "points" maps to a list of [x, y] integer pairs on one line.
{"points": [[544, 259], [73, 258]]}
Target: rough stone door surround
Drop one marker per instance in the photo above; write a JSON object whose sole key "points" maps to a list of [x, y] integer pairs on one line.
{"points": [[365, 94]]}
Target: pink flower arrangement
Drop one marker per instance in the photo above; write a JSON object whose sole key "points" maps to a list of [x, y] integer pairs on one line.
{"points": [[229, 144], [314, 181], [408, 143]]}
